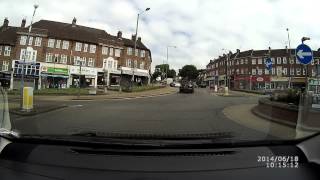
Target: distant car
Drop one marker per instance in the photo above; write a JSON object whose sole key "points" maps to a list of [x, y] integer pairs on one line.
{"points": [[186, 87], [175, 84]]}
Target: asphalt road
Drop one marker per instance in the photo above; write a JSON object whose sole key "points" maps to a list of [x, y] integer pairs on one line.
{"points": [[198, 113]]}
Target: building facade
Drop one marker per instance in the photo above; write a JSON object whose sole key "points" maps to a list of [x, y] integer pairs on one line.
{"points": [[247, 70], [63, 55]]}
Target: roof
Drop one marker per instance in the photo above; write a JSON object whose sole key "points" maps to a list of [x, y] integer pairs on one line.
{"points": [[8, 35]]}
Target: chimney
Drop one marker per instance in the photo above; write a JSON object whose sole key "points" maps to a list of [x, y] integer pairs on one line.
{"points": [[74, 22], [139, 39], [287, 50], [5, 22], [23, 23], [119, 35], [238, 51], [133, 37]]}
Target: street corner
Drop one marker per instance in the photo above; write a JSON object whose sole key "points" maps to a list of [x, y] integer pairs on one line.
{"points": [[242, 114]]}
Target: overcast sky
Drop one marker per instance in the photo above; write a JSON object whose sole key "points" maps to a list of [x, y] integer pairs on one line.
{"points": [[199, 28]]}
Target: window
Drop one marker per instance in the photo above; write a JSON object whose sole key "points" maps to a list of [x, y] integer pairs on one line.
{"points": [[51, 43], [260, 71], [135, 63], [297, 61], [128, 63], [30, 41], [85, 48], [284, 60], [64, 59], [105, 50], [254, 71], [65, 44], [7, 51], [278, 60], [93, 48], [0, 50], [242, 71], [237, 71], [115, 64], [266, 71], [279, 71], [129, 51], [5, 66], [76, 60], [298, 71], [260, 61], [83, 61], [111, 52], [285, 71], [143, 53], [241, 61], [291, 60], [58, 44], [137, 52], [245, 61], [117, 52], [273, 71], [253, 61], [109, 64], [142, 65], [90, 62], [38, 41], [303, 71], [292, 71], [56, 58], [49, 57], [78, 46], [273, 60], [23, 40]]}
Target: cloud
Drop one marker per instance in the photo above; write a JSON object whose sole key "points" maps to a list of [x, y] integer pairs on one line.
{"points": [[199, 28]]}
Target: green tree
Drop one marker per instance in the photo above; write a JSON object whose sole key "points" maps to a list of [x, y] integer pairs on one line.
{"points": [[189, 71], [163, 67], [172, 73]]}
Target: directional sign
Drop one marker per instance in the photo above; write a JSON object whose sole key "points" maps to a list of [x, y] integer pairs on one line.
{"points": [[268, 63], [304, 54]]}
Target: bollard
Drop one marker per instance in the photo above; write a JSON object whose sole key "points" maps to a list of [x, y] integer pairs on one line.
{"points": [[226, 91], [27, 99]]}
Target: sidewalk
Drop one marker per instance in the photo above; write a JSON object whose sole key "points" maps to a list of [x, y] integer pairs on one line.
{"points": [[111, 95], [243, 115]]}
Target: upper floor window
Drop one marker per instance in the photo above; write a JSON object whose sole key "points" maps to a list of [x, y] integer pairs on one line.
{"points": [[298, 71], [285, 71], [30, 41], [135, 63], [5, 66], [266, 71], [143, 53], [260, 71], [28, 55], [111, 52], [63, 59], [254, 71], [76, 60], [253, 61], [78, 46], [260, 61], [65, 44], [90, 62], [278, 60], [245, 61], [85, 48], [51, 43], [284, 59], [93, 48], [142, 65], [23, 40], [241, 61], [117, 52], [49, 57], [129, 51], [38, 41], [58, 44], [297, 61], [56, 58], [273, 61], [128, 63], [83, 61], [115, 64], [105, 50], [137, 52], [7, 51]]}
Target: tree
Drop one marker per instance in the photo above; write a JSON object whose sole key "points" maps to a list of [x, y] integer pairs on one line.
{"points": [[172, 73], [156, 74], [163, 67], [189, 71]]}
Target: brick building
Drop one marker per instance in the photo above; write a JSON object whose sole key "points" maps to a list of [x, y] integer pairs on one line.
{"points": [[247, 70], [60, 54]]}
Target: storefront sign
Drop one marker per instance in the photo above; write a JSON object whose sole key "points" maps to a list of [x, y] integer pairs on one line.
{"points": [[260, 79], [276, 79], [57, 70], [84, 70], [314, 82]]}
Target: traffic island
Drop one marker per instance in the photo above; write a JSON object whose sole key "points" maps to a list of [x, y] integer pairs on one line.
{"points": [[36, 110]]}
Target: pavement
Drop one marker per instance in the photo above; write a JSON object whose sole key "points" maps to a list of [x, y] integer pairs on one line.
{"points": [[169, 114]]}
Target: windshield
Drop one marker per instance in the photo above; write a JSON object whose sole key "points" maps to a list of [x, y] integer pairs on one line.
{"points": [[160, 69]]}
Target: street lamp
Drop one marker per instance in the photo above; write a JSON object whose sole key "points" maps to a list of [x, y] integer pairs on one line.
{"points": [[25, 54], [135, 40], [168, 58], [290, 77], [227, 67]]}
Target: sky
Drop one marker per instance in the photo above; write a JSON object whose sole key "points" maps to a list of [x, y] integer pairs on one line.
{"points": [[200, 29]]}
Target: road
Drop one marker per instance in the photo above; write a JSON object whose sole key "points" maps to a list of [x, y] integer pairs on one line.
{"points": [[198, 113]]}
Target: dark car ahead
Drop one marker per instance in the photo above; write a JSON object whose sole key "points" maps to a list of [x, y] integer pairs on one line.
{"points": [[186, 87]]}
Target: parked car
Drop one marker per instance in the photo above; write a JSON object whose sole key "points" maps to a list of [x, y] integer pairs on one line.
{"points": [[175, 84], [186, 87]]}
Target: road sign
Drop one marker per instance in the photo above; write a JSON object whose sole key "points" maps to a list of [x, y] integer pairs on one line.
{"points": [[268, 63], [304, 54]]}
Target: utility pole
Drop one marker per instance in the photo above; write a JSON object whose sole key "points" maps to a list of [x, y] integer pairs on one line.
{"points": [[290, 77]]}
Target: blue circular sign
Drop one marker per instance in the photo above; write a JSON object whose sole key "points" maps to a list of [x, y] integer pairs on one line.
{"points": [[304, 54], [268, 63]]}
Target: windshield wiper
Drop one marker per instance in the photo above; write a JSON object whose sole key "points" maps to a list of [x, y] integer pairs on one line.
{"points": [[8, 133]]}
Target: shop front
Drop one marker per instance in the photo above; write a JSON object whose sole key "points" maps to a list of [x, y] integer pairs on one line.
{"points": [[5, 78], [31, 75], [136, 76], [314, 85], [279, 82], [222, 80], [260, 82], [54, 77], [242, 82], [86, 77], [298, 82]]}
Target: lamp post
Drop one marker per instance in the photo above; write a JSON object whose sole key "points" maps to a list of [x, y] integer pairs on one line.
{"points": [[135, 42], [168, 59], [290, 77], [25, 54], [227, 68]]}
